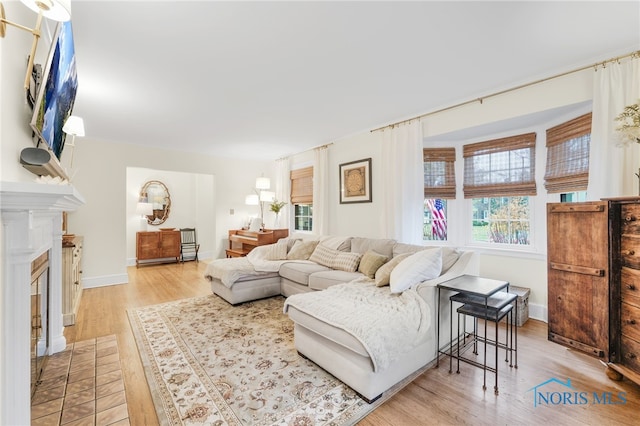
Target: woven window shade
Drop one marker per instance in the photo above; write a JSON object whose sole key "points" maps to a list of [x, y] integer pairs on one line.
{"points": [[439, 172], [302, 186], [568, 155], [502, 167]]}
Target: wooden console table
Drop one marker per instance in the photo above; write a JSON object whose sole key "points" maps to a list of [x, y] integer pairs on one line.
{"points": [[242, 241]]}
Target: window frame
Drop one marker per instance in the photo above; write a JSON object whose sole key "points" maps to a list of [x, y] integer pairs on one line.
{"points": [[301, 193]]}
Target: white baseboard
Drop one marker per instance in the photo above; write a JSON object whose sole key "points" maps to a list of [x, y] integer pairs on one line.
{"points": [[202, 255], [538, 312], [105, 280]]}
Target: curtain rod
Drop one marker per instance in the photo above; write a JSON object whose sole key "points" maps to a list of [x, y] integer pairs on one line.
{"points": [[635, 54], [326, 145]]}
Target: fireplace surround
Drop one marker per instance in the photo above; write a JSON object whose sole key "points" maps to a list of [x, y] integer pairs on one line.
{"points": [[31, 216]]}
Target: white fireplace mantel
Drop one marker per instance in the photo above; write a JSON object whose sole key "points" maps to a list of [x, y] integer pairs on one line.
{"points": [[31, 224]]}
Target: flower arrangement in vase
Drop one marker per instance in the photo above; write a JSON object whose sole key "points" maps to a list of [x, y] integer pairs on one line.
{"points": [[275, 207]]}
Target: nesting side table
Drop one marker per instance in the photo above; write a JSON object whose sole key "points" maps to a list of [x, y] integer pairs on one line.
{"points": [[476, 295]]}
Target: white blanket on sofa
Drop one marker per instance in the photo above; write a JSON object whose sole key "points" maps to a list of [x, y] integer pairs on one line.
{"points": [[386, 324], [258, 262]]}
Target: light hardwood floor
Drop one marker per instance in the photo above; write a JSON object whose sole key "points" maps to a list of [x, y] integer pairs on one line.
{"points": [[436, 397]]}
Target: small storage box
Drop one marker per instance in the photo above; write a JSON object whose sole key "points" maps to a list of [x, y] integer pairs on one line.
{"points": [[523, 303]]}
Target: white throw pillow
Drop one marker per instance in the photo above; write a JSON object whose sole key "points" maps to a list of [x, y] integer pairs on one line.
{"points": [[421, 266]]}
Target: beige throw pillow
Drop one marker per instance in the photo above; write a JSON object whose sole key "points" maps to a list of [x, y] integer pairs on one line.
{"points": [[383, 274], [301, 250], [371, 262], [323, 255], [344, 261]]}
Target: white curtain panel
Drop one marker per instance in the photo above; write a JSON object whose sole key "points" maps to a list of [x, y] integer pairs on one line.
{"points": [[283, 190], [321, 191], [402, 182], [612, 168]]}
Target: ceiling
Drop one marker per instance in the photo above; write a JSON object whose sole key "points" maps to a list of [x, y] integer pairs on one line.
{"points": [[263, 80]]}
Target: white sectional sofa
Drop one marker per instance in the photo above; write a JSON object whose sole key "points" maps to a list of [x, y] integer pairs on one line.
{"points": [[328, 332]]}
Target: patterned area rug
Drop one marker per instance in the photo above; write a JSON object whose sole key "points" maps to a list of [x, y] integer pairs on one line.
{"points": [[211, 363]]}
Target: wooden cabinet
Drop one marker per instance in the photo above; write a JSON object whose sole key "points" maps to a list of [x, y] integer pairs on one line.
{"points": [[71, 278], [157, 247], [594, 280], [578, 275], [242, 241]]}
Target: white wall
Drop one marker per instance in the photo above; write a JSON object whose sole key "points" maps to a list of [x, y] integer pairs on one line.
{"points": [[102, 179], [523, 268], [192, 206]]}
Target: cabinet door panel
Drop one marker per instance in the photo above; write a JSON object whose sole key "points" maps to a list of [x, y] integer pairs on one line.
{"points": [[578, 275], [148, 245], [170, 243]]}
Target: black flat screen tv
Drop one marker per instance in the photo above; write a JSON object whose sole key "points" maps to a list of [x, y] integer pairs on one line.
{"points": [[57, 93]]}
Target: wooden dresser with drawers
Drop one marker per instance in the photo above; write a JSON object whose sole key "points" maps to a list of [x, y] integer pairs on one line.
{"points": [[624, 355]]}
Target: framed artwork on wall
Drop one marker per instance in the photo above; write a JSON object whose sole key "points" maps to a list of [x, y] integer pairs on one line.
{"points": [[355, 182]]}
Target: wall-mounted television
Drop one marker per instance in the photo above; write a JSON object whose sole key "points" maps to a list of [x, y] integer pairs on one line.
{"points": [[57, 93]]}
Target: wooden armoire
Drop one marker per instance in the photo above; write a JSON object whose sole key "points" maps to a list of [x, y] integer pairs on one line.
{"points": [[593, 267]]}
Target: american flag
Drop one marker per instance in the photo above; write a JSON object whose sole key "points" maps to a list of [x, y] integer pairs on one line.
{"points": [[438, 219]]}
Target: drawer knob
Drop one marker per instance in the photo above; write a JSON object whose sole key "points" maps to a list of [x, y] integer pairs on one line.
{"points": [[630, 356], [630, 218], [628, 252], [631, 321], [631, 287]]}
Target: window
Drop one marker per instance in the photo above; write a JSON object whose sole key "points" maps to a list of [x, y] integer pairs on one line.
{"points": [[302, 198], [435, 219], [303, 217], [573, 197], [567, 167], [439, 185], [499, 177], [501, 220]]}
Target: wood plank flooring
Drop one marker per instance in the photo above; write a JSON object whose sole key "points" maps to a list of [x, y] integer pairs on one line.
{"points": [[436, 397]]}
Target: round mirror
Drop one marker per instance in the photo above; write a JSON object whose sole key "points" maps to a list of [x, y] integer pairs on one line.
{"points": [[156, 193]]}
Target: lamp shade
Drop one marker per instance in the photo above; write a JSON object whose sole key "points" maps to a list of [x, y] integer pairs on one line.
{"points": [[74, 126], [57, 10], [252, 200], [267, 196], [144, 209], [263, 183]]}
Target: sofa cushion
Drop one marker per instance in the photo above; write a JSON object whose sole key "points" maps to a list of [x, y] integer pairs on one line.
{"points": [[325, 279], [370, 263], [379, 245], [421, 266], [449, 257], [383, 274], [401, 248], [301, 250], [299, 272], [337, 243]]}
